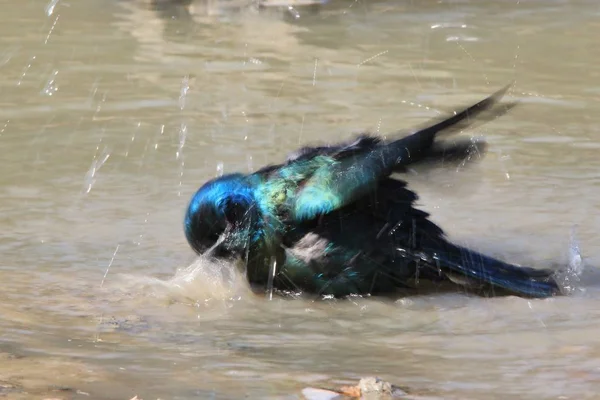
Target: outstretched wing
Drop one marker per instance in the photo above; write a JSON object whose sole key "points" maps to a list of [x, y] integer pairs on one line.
{"points": [[350, 174]]}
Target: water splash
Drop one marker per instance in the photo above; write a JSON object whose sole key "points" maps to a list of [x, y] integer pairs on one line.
{"points": [[448, 25], [51, 87], [4, 127], [571, 276], [419, 105], [8, 54], [109, 265], [293, 12], [200, 282], [93, 91], [270, 283], [372, 58], [99, 107], [141, 236], [136, 130], [159, 136], [50, 7], [185, 87], [179, 154], [97, 163], [504, 160], [25, 70], [183, 92], [182, 138], [51, 29]]}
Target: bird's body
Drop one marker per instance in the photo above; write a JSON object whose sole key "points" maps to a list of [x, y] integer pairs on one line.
{"points": [[332, 221]]}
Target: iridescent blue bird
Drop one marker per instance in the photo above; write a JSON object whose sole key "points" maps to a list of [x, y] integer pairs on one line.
{"points": [[333, 221]]}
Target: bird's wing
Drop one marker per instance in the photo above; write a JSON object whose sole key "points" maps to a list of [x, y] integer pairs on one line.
{"points": [[378, 244], [343, 179], [361, 144]]}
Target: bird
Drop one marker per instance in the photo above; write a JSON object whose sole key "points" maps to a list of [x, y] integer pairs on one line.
{"points": [[335, 221]]}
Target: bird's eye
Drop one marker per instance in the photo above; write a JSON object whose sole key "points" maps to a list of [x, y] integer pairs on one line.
{"points": [[234, 212]]}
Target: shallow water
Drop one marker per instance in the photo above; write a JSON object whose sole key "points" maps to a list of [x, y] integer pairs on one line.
{"points": [[113, 114]]}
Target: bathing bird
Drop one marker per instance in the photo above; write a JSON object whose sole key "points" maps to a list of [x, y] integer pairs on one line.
{"points": [[336, 220]]}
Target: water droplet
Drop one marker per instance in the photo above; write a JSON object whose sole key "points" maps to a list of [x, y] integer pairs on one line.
{"points": [[51, 29], [182, 137], [4, 127], [293, 12], [185, 87], [51, 87], [97, 163], [51, 6], [25, 71]]}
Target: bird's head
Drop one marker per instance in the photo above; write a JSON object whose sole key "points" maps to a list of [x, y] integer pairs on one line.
{"points": [[220, 217]]}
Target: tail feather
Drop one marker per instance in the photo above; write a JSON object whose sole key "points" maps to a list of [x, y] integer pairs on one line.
{"points": [[485, 110], [522, 281], [420, 145]]}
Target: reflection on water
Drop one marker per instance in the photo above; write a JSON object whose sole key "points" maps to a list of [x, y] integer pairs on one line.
{"points": [[114, 112]]}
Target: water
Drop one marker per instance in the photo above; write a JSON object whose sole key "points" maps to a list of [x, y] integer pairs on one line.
{"points": [[113, 114]]}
